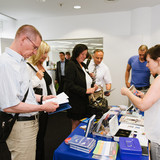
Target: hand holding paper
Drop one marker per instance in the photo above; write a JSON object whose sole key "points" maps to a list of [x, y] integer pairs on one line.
{"points": [[62, 100]]}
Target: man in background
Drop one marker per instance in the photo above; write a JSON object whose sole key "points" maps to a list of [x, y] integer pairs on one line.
{"points": [[99, 71], [140, 76], [60, 71], [68, 55]]}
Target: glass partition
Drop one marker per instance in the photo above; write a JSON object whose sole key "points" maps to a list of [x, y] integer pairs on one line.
{"points": [[67, 45]]}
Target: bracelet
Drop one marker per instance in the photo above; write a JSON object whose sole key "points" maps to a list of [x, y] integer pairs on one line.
{"points": [[41, 99]]}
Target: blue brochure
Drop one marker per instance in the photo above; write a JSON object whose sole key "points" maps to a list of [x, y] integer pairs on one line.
{"points": [[84, 142], [62, 107]]}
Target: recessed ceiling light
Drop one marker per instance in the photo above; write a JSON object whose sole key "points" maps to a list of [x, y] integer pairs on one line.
{"points": [[111, 0], [77, 7], [41, 0]]}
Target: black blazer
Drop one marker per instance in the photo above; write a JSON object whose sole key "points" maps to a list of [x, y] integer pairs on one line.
{"points": [[75, 88], [58, 70]]}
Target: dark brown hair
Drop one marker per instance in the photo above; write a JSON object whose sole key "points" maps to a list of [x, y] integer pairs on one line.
{"points": [[153, 52], [77, 50]]}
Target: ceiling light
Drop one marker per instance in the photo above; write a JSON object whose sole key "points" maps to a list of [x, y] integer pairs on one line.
{"points": [[77, 7], [110, 1], [41, 0]]}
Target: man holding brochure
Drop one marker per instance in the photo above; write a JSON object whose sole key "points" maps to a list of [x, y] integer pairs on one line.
{"points": [[14, 85]]}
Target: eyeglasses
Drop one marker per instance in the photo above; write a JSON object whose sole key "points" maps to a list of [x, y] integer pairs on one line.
{"points": [[35, 47]]}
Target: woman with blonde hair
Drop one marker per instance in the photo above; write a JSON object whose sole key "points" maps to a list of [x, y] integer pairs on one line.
{"points": [[41, 81], [43, 85]]}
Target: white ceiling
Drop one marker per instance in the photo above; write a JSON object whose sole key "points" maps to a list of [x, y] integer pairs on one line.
{"points": [[24, 9]]}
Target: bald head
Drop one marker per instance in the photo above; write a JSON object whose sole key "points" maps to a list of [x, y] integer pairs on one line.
{"points": [[98, 56]]}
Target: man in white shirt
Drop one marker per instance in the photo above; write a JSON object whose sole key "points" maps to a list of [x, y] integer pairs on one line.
{"points": [[14, 83], [99, 71]]}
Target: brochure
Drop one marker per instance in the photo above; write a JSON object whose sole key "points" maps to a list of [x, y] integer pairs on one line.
{"points": [[132, 120], [78, 140], [133, 90], [105, 149], [81, 143], [108, 91], [62, 107], [90, 125], [62, 100]]}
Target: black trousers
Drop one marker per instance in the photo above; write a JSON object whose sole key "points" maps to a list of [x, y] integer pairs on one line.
{"points": [[61, 85], [43, 118]]}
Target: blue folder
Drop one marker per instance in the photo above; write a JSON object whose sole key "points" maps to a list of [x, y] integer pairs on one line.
{"points": [[62, 107]]}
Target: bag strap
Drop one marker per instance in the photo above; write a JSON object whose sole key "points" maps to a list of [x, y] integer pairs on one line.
{"points": [[25, 96], [24, 99], [32, 67]]}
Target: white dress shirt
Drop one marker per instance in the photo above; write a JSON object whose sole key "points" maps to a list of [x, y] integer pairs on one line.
{"points": [[88, 79], [102, 74], [14, 81]]}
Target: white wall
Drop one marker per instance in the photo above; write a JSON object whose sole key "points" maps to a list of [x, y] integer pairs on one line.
{"points": [[5, 42], [122, 32], [7, 32], [155, 26]]}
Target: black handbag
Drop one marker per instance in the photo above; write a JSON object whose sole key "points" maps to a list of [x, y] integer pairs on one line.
{"points": [[38, 90], [6, 124], [98, 105]]}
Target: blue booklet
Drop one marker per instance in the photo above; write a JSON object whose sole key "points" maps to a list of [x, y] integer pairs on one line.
{"points": [[84, 142], [62, 107]]}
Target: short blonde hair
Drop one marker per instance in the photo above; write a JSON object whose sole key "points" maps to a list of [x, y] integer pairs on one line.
{"points": [[43, 48], [143, 47], [28, 30]]}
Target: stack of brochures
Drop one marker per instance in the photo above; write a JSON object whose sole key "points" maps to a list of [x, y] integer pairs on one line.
{"points": [[105, 150], [81, 143], [132, 120]]}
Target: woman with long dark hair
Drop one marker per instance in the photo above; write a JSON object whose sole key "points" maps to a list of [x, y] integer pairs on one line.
{"points": [[78, 84]]}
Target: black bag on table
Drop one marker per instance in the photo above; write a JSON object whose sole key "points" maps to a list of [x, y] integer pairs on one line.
{"points": [[98, 105], [6, 124]]}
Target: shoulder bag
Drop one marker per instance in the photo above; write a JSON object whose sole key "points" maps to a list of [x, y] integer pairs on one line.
{"points": [[6, 124]]}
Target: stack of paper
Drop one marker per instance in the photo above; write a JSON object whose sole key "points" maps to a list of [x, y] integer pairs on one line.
{"points": [[81, 143], [105, 150], [62, 100]]}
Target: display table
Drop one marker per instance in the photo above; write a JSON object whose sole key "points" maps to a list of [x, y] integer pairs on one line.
{"points": [[63, 152]]}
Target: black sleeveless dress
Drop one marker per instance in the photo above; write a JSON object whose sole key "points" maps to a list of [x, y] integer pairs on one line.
{"points": [[43, 119]]}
